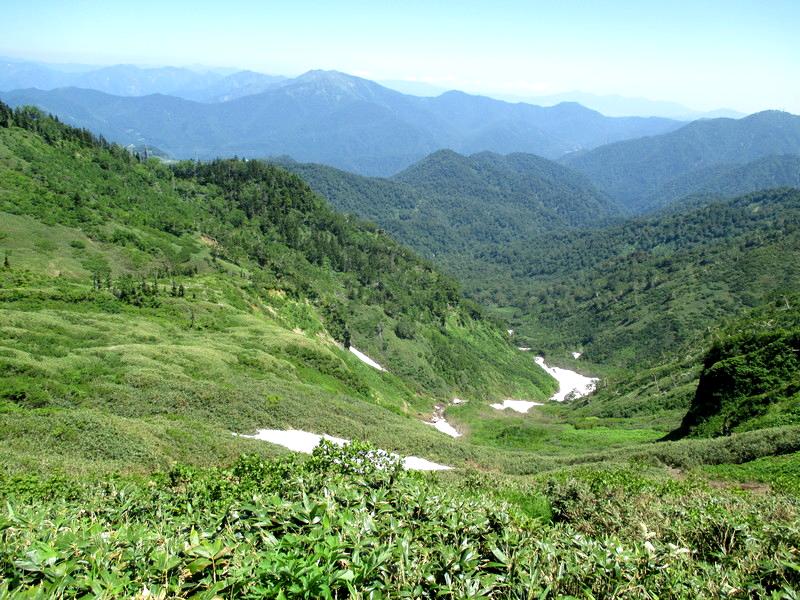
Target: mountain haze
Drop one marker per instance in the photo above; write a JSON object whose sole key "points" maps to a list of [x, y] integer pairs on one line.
{"points": [[615, 105], [337, 119], [636, 172], [129, 80]]}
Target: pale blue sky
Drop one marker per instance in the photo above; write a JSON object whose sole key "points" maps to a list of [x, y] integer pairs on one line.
{"points": [[740, 54]]}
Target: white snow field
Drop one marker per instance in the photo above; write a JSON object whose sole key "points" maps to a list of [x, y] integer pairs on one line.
{"points": [[570, 383], [305, 442], [521, 406], [366, 359]]}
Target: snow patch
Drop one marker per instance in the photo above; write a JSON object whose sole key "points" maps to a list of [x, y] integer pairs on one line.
{"points": [[570, 383], [523, 348], [576, 355], [293, 439], [510, 332], [415, 463], [458, 401], [305, 441], [440, 423], [521, 406], [366, 359], [445, 427]]}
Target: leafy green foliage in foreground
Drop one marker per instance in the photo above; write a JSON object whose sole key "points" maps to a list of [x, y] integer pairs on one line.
{"points": [[331, 528]]}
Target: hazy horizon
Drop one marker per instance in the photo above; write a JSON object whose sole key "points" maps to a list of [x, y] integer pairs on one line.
{"points": [[715, 56], [411, 87]]}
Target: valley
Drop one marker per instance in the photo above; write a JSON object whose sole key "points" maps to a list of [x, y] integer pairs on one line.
{"points": [[468, 367]]}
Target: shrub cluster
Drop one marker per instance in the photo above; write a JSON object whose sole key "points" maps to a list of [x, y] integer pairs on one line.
{"points": [[348, 523]]}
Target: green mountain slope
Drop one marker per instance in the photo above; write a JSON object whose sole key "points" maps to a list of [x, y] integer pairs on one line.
{"points": [[149, 311], [492, 182], [751, 376], [639, 172], [450, 206], [634, 293], [718, 181]]}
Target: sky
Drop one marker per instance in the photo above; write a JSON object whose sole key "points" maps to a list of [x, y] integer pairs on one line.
{"points": [[737, 54]]}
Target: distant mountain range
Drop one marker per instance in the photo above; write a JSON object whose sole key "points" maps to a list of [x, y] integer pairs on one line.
{"points": [[350, 123], [129, 80], [701, 157], [611, 105], [205, 84], [337, 119], [614, 105]]}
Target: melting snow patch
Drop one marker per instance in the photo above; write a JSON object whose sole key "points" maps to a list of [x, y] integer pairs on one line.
{"points": [[304, 441], [415, 463], [366, 359], [446, 428], [570, 383], [576, 355], [521, 406], [440, 423], [523, 349], [293, 439], [458, 401], [510, 332]]}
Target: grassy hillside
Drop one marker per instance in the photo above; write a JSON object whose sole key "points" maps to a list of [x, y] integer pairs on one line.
{"points": [[141, 303], [637, 172]]}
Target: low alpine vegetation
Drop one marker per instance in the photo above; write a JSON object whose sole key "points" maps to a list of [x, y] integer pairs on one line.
{"points": [[347, 524]]}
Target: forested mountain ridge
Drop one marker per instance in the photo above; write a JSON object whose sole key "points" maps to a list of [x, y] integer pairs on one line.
{"points": [[637, 172], [729, 180], [447, 205], [565, 273], [337, 119], [557, 193], [634, 292]]}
